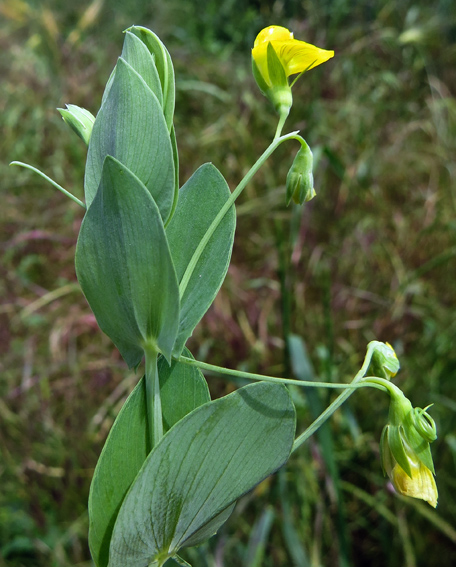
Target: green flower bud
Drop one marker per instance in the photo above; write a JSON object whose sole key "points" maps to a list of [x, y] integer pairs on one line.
{"points": [[384, 363], [300, 177], [79, 119]]}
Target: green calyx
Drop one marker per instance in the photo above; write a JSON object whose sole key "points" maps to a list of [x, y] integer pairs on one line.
{"points": [[281, 98], [408, 434], [275, 87]]}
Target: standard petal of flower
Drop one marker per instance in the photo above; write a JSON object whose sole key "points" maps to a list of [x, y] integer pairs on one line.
{"points": [[420, 485], [273, 33]]}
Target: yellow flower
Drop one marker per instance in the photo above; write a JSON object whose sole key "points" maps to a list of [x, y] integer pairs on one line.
{"points": [[405, 451], [420, 485], [295, 56]]}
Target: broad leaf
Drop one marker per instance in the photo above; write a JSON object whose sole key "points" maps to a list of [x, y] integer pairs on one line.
{"points": [[130, 126], [200, 468], [124, 266], [136, 54], [183, 389], [200, 200], [164, 66], [176, 173]]}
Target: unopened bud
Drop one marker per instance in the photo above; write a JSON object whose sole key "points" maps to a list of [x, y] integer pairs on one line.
{"points": [[384, 362], [79, 119], [300, 177]]}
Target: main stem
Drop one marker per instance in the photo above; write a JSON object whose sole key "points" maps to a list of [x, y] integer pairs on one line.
{"points": [[228, 203], [153, 399], [336, 403]]}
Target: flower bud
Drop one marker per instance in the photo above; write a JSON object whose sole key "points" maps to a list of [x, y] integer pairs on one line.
{"points": [[300, 177], [79, 119], [384, 362]]}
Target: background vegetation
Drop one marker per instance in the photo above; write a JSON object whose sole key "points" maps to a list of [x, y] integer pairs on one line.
{"points": [[373, 256]]}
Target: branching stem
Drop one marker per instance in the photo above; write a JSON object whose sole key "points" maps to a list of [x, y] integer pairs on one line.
{"points": [[228, 203], [336, 403]]}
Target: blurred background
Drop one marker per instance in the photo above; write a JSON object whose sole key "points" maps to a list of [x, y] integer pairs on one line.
{"points": [[371, 257]]}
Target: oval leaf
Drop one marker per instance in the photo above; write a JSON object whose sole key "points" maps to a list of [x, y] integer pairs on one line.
{"points": [[200, 200], [164, 66], [136, 54], [130, 126], [124, 265], [202, 465], [183, 389]]}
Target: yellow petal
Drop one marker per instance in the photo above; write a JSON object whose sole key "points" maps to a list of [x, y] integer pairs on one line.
{"points": [[272, 33], [421, 485], [298, 56]]}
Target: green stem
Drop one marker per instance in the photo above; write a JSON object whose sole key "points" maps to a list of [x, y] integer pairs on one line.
{"points": [[282, 118], [250, 376], [51, 181], [228, 203], [336, 403], [153, 400], [382, 384]]}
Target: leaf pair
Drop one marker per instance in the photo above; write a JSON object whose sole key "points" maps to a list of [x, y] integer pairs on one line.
{"points": [[129, 268], [131, 127], [126, 263], [187, 486], [183, 388]]}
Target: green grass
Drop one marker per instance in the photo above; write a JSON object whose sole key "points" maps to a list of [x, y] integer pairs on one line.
{"points": [[372, 257]]}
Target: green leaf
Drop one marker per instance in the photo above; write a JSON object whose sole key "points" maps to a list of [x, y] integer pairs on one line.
{"points": [[108, 85], [136, 54], [130, 127], [125, 451], [124, 265], [176, 173], [210, 528], [201, 467], [200, 200], [164, 66], [183, 389]]}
